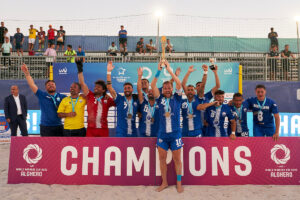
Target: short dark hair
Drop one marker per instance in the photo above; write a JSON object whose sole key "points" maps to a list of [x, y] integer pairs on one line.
{"points": [[76, 83], [141, 38], [49, 81], [113, 43], [150, 40], [127, 83], [70, 46], [79, 47], [237, 95], [144, 79], [286, 45], [198, 82], [190, 85], [102, 84], [260, 86], [219, 92], [167, 82], [61, 27]]}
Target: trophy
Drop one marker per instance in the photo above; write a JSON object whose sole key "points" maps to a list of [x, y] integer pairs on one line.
{"points": [[163, 47]]}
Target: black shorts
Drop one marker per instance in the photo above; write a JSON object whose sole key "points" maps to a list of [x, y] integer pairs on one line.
{"points": [[113, 54], [19, 46], [51, 131], [60, 43], [75, 132], [51, 42], [274, 42], [273, 65], [138, 49], [286, 65], [122, 40]]}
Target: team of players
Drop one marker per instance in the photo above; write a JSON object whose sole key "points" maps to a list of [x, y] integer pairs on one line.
{"points": [[158, 110]]}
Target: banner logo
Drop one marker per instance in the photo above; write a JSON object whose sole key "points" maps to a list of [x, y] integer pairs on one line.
{"points": [[38, 152], [228, 71], [63, 71], [122, 71], [286, 152]]}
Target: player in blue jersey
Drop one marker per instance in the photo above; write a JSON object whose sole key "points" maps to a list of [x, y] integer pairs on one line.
{"points": [[169, 133], [239, 111], [215, 118], [126, 107], [191, 110], [149, 123], [264, 109]]}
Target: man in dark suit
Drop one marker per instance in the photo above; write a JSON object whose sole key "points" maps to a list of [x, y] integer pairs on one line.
{"points": [[15, 109]]}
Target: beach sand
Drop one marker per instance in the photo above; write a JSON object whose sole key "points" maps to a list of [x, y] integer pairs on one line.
{"points": [[95, 192]]}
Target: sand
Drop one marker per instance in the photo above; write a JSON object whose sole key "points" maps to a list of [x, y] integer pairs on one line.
{"points": [[95, 192]]}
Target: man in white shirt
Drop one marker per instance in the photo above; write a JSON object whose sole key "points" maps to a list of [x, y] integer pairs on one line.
{"points": [[6, 50], [112, 49], [15, 109]]}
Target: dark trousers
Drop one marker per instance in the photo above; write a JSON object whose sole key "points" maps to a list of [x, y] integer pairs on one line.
{"points": [[5, 57], [21, 122], [75, 132], [52, 131]]}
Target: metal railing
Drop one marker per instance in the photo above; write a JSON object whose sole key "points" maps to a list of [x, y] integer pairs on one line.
{"points": [[256, 66]]}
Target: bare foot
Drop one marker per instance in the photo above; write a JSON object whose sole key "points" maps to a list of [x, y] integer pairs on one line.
{"points": [[179, 188], [162, 187]]}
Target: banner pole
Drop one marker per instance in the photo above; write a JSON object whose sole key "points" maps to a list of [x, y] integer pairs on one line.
{"points": [[51, 72], [241, 79]]}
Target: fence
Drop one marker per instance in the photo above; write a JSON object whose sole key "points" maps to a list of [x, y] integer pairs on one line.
{"points": [[256, 66]]}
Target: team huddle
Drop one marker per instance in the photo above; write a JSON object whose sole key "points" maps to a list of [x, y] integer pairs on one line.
{"points": [[158, 110]]}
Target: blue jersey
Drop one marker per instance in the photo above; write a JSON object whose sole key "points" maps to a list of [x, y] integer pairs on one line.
{"points": [[262, 112], [122, 35], [126, 116], [149, 122], [191, 123], [169, 125], [206, 99], [240, 115], [49, 105], [215, 117]]}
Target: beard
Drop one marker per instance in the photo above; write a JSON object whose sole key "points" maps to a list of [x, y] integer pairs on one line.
{"points": [[51, 90], [127, 94]]}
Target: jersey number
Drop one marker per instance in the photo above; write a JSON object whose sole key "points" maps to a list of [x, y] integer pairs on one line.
{"points": [[178, 142]]}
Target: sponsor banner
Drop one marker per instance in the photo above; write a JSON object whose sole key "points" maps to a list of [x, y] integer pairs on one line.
{"points": [[135, 161], [66, 73]]}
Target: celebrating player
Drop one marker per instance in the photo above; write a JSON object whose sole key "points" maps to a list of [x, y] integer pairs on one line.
{"points": [[126, 107], [98, 104], [169, 133], [149, 121], [215, 118], [263, 109], [49, 101]]}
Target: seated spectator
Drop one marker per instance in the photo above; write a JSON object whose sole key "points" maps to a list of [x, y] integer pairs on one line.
{"points": [[286, 54], [51, 52], [112, 49], [169, 47], [18, 41], [273, 37], [41, 36], [273, 61], [70, 52], [140, 46], [6, 50], [80, 53], [150, 47]]}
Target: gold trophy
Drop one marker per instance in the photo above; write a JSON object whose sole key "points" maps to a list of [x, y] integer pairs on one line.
{"points": [[163, 48]]}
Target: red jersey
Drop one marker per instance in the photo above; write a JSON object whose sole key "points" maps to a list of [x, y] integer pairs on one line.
{"points": [[98, 110], [51, 34]]}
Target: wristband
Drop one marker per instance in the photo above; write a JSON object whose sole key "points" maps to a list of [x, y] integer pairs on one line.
{"points": [[178, 177], [233, 133], [205, 72], [157, 74], [108, 73]]}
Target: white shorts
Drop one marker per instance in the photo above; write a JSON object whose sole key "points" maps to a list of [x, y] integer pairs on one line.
{"points": [[31, 40]]}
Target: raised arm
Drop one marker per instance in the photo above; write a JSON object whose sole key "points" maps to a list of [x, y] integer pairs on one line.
{"points": [[84, 87], [186, 77], [204, 77], [203, 106], [29, 79], [218, 85], [139, 85], [177, 73], [175, 78], [111, 90], [156, 92]]}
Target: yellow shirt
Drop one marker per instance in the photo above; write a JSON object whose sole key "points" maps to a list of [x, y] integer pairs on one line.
{"points": [[65, 106], [32, 33]]}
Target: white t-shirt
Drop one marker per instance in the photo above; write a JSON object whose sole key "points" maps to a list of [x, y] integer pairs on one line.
{"points": [[112, 49], [7, 35]]}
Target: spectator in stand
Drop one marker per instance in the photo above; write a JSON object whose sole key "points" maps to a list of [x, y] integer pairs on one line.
{"points": [[112, 49], [6, 34], [6, 50], [18, 41], [51, 35], [80, 53], [273, 61], [31, 37], [61, 33], [273, 37], [2, 29], [169, 47], [140, 46], [51, 52], [286, 54], [42, 36], [150, 47], [123, 41], [70, 53]]}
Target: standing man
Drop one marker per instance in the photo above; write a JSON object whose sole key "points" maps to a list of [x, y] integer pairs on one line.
{"points": [[31, 37], [6, 50], [41, 36], [286, 54], [215, 118], [70, 53], [15, 109], [61, 36], [2, 29], [273, 38], [273, 55], [72, 109], [49, 101], [123, 41], [127, 107], [98, 104], [51, 35], [169, 133], [81, 54], [149, 121], [18, 41], [264, 109]]}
